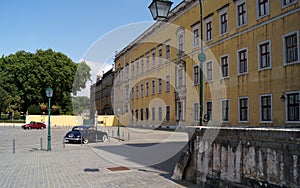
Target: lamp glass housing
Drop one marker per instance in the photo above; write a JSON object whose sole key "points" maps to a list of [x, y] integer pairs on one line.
{"points": [[49, 92], [160, 9]]}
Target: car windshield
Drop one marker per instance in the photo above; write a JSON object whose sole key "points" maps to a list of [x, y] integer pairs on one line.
{"points": [[79, 128]]}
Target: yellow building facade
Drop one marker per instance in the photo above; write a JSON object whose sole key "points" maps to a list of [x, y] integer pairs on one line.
{"points": [[251, 73]]}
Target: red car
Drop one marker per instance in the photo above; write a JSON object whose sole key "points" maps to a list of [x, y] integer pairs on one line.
{"points": [[34, 125]]}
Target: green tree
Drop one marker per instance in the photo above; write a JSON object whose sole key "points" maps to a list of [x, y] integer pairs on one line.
{"points": [[27, 75]]}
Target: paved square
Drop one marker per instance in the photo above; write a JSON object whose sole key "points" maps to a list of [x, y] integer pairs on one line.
{"points": [[74, 165]]}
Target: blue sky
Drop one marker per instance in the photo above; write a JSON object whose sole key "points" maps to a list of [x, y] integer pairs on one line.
{"points": [[68, 26]]}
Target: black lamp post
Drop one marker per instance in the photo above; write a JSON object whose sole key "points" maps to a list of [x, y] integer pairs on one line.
{"points": [[160, 10], [49, 94]]}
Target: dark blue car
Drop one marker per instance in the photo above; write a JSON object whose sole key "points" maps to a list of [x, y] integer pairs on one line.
{"points": [[85, 134]]}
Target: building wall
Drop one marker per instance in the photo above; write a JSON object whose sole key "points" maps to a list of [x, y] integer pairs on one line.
{"points": [[272, 83]]}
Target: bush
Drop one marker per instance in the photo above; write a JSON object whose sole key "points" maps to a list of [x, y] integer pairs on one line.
{"points": [[34, 110]]}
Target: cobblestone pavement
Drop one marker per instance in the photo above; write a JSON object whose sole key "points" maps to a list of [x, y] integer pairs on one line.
{"points": [[72, 165]]}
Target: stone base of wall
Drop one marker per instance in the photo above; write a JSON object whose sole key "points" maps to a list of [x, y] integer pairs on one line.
{"points": [[245, 157]]}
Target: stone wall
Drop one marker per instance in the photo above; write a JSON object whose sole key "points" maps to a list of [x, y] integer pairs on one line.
{"points": [[251, 157]]}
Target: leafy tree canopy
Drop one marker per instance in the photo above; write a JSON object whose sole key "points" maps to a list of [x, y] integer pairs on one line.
{"points": [[24, 77]]}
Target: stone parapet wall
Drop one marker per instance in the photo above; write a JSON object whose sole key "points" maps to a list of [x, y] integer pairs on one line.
{"points": [[251, 157]]}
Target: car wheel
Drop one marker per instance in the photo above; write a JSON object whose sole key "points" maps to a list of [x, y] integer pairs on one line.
{"points": [[42, 128], [104, 138], [85, 141]]}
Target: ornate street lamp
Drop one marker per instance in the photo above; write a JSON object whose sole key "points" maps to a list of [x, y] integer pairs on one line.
{"points": [[49, 94], [160, 9]]}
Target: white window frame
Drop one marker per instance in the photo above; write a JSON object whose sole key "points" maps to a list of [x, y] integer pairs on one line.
{"points": [[238, 61], [153, 86], [222, 114], [248, 113], [259, 55], [180, 43], [260, 108], [207, 20], [289, 4], [258, 10], [160, 54], [142, 64], [168, 45], [195, 39], [147, 61], [153, 58], [160, 114], [284, 48], [221, 66], [221, 13], [178, 68], [286, 107], [212, 71], [153, 113], [238, 3], [159, 85], [168, 84]]}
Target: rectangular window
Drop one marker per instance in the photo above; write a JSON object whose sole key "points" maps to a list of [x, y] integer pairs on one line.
{"points": [[196, 74], [136, 115], [195, 36], [142, 114], [153, 114], [147, 88], [209, 71], [167, 113], [153, 58], [209, 110], [243, 109], [168, 51], [132, 70], [160, 54], [142, 90], [264, 55], [263, 8], [208, 27], [286, 3], [241, 13], [225, 110], [225, 66], [137, 67], [132, 116], [223, 21], [147, 61], [159, 85], [142, 64], [180, 40], [147, 114], [180, 76], [291, 48], [180, 44], [179, 110], [168, 83], [293, 106], [265, 108], [160, 113], [196, 112], [243, 61], [153, 87], [137, 92]]}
